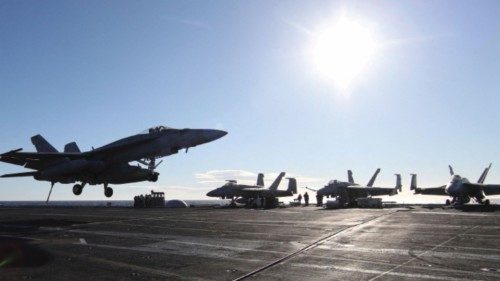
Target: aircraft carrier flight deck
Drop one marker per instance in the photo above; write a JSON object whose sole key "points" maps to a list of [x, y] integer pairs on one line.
{"points": [[301, 243]]}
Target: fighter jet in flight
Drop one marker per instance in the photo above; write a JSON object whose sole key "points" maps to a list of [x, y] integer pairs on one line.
{"points": [[347, 192], [108, 164], [247, 194], [460, 189]]}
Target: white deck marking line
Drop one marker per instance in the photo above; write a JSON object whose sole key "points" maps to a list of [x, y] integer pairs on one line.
{"points": [[146, 270], [219, 231], [159, 250], [436, 269], [453, 214], [371, 271], [311, 246], [83, 241], [416, 257]]}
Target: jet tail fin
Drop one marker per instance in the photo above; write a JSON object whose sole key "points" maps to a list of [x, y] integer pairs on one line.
{"points": [[292, 185], [484, 174], [41, 144], [71, 147], [349, 176], [399, 186], [451, 170], [260, 179], [413, 185], [25, 174], [277, 181], [374, 177]]}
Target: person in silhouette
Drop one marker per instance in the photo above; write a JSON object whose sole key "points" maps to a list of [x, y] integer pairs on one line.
{"points": [[299, 198], [319, 200], [306, 199]]}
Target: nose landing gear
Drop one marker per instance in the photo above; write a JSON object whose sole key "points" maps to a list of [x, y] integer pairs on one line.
{"points": [[78, 188], [108, 191]]}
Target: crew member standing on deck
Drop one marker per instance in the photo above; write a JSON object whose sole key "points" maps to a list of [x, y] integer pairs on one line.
{"points": [[319, 200], [299, 198], [306, 199]]}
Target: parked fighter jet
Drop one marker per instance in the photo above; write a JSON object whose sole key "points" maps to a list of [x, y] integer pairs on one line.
{"points": [[460, 189], [348, 192], [247, 194], [331, 189], [107, 164]]}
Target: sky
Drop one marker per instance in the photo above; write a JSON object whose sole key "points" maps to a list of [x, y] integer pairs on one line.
{"points": [[425, 94]]}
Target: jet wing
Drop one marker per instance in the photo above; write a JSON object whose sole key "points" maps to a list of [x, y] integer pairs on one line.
{"points": [[35, 160], [25, 156], [489, 189], [440, 190], [253, 192], [374, 191], [22, 158], [12, 160]]}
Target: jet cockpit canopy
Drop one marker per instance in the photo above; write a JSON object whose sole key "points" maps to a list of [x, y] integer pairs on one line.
{"points": [[155, 129], [230, 182], [456, 178]]}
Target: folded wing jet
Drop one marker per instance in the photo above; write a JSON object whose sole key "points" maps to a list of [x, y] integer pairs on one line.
{"points": [[246, 194], [460, 189], [348, 192]]}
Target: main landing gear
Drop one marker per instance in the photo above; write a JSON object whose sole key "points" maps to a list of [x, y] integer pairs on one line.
{"points": [[108, 191], [485, 202], [78, 188]]}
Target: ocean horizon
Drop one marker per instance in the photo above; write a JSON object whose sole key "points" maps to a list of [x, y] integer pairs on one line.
{"points": [[100, 203]]}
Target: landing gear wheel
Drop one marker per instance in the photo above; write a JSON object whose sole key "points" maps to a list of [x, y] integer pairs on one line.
{"points": [[447, 202], [108, 191], [487, 202], [77, 189]]}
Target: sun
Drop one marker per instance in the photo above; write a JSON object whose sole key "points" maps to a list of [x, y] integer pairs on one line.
{"points": [[342, 50]]}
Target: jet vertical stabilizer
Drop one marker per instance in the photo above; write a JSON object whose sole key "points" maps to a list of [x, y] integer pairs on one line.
{"points": [[413, 185], [374, 177], [260, 179], [349, 176], [484, 174], [71, 147], [292, 185], [451, 170], [277, 181], [41, 144], [399, 186]]}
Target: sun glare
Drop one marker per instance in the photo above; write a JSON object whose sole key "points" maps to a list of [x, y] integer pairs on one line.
{"points": [[342, 50]]}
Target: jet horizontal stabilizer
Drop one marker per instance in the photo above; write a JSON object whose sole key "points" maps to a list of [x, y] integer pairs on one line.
{"points": [[25, 174], [12, 151]]}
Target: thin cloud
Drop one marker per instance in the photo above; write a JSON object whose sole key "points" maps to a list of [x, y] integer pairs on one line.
{"points": [[191, 23], [297, 27], [218, 176], [247, 177]]}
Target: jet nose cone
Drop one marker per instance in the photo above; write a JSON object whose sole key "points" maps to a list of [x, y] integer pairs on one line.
{"points": [[211, 135], [217, 134]]}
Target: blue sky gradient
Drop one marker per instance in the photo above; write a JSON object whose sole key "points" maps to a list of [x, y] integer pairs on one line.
{"points": [[96, 71]]}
